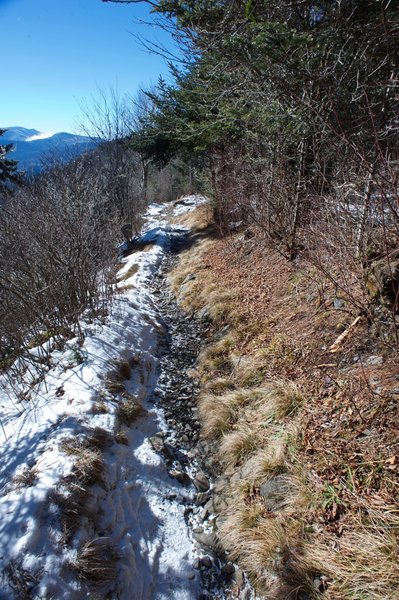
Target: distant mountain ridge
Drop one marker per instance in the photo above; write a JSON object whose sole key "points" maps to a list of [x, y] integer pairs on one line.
{"points": [[32, 153]]}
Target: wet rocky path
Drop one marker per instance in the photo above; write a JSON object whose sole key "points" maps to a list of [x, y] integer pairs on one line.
{"points": [[184, 452]]}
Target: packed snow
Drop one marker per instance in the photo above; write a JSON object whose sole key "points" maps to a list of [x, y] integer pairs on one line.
{"points": [[136, 509]]}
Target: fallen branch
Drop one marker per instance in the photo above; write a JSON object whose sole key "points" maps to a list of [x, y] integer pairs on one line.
{"points": [[341, 338]]}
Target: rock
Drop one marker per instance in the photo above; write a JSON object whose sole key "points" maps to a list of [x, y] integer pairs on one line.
{"points": [[204, 514], [228, 570], [220, 504], [239, 578], [171, 496], [203, 497], [201, 482], [198, 530], [222, 333], [374, 361], [196, 563], [205, 539], [317, 584], [206, 562], [203, 314], [338, 303], [383, 278], [180, 476], [274, 492], [220, 485], [157, 441], [209, 506]]}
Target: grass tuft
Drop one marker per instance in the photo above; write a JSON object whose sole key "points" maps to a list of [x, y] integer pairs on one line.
{"points": [[235, 447], [96, 561], [26, 478], [128, 410]]}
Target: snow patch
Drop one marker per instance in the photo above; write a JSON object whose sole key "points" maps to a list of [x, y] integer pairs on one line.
{"points": [[137, 507]]}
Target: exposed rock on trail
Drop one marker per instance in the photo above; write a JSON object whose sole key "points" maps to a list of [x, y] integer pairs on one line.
{"points": [[185, 454]]}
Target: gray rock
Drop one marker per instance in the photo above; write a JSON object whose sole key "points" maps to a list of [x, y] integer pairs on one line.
{"points": [[204, 514], [198, 530], [205, 539], [228, 569], [220, 485], [239, 578], [383, 278], [274, 492], [203, 314], [201, 482], [222, 332], [157, 442], [209, 506], [374, 361], [338, 303], [203, 497], [206, 562], [180, 476]]}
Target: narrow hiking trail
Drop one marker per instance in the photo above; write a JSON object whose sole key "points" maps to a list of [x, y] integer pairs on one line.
{"points": [[97, 501]]}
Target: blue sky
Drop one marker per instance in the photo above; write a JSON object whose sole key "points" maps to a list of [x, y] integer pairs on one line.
{"points": [[58, 53]]}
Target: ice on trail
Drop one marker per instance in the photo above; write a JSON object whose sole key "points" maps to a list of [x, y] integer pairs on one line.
{"points": [[137, 509]]}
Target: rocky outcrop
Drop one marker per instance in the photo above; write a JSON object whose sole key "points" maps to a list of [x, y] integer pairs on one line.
{"points": [[383, 279]]}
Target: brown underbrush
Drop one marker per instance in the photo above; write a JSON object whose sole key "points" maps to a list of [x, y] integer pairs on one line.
{"points": [[305, 431]]}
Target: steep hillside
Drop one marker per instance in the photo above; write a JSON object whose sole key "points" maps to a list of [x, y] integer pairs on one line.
{"points": [[299, 411]]}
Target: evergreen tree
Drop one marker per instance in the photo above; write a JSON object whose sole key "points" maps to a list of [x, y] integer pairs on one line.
{"points": [[8, 168]]}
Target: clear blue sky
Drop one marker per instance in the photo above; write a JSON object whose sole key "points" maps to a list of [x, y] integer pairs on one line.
{"points": [[57, 53]]}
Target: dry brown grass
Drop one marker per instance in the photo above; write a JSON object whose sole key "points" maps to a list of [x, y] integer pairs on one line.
{"points": [[218, 386], [88, 464], [96, 561], [114, 384], [128, 410], [132, 270], [26, 478], [99, 439], [277, 408], [121, 438], [197, 220], [220, 413], [99, 408], [363, 564], [121, 369], [73, 491], [239, 445]]}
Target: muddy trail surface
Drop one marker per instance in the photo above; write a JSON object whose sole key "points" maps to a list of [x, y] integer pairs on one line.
{"points": [[186, 455]]}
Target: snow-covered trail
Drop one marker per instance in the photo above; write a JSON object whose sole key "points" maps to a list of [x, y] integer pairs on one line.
{"points": [[136, 509]]}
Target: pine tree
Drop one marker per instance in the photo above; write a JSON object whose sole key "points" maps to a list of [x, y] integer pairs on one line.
{"points": [[8, 168]]}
